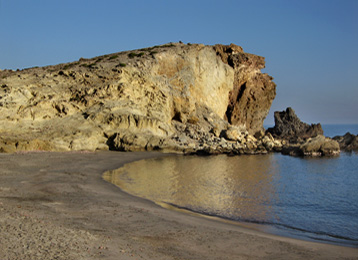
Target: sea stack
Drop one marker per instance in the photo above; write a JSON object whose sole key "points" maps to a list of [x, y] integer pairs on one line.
{"points": [[289, 126], [299, 138]]}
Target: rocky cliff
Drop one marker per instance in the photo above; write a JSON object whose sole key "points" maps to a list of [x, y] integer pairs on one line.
{"points": [[174, 97]]}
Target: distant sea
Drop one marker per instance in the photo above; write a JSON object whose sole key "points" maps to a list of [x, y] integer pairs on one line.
{"points": [[332, 130], [307, 198]]}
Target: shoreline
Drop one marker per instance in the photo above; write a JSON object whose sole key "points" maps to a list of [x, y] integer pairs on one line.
{"points": [[57, 205], [259, 227]]}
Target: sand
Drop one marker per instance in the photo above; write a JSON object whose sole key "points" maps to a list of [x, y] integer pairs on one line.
{"points": [[57, 206]]}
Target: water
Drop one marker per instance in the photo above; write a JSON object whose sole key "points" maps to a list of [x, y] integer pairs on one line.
{"points": [[333, 130], [307, 198]]}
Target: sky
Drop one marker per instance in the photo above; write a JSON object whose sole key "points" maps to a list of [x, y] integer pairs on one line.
{"points": [[310, 47]]}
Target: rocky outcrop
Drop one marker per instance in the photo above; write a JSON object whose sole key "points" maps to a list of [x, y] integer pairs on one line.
{"points": [[173, 97], [289, 127], [316, 146], [300, 139], [348, 142]]}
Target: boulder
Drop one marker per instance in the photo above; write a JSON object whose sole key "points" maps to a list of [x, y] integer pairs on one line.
{"points": [[316, 146], [234, 133], [268, 142]]}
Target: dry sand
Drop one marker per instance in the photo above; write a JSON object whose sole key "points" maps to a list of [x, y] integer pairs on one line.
{"points": [[57, 206]]}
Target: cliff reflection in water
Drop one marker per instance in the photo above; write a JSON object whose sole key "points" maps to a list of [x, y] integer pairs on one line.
{"points": [[239, 188]]}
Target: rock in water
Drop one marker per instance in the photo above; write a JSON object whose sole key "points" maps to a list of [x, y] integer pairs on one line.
{"points": [[173, 97], [301, 139], [313, 147], [289, 127], [319, 146], [348, 142]]}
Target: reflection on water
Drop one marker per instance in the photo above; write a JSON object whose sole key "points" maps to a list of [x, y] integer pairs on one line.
{"points": [[311, 196], [236, 189]]}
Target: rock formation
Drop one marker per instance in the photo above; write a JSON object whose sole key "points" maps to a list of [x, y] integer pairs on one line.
{"points": [[252, 93], [173, 97], [288, 126], [300, 139], [316, 146], [348, 142]]}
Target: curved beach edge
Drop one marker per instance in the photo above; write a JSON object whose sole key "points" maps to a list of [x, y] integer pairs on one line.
{"points": [[57, 205]]}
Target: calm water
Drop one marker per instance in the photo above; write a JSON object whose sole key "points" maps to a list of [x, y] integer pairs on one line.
{"points": [[314, 199], [333, 130]]}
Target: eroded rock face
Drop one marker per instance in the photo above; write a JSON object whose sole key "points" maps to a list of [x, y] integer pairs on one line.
{"points": [[252, 94], [289, 127], [173, 97]]}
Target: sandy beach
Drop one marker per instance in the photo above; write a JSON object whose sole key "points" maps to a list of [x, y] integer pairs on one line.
{"points": [[57, 206]]}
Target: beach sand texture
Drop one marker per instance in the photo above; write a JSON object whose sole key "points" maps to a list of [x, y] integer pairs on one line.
{"points": [[57, 206]]}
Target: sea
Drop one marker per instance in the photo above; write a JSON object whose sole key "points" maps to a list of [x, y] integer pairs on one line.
{"points": [[313, 199]]}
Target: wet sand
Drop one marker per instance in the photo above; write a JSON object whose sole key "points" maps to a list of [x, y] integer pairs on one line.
{"points": [[57, 206]]}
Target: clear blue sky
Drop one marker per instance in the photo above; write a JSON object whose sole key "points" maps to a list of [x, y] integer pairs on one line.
{"points": [[310, 46]]}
